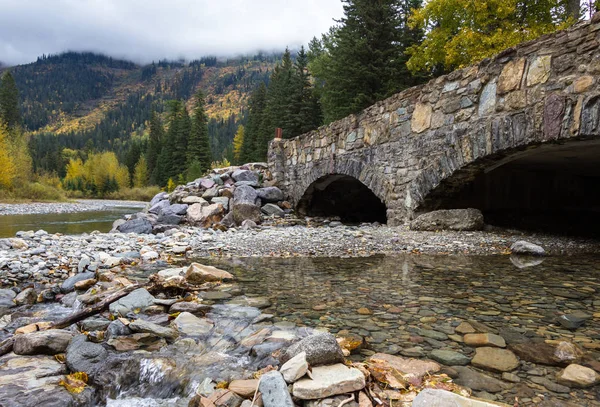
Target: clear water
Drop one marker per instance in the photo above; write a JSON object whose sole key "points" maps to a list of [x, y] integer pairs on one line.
{"points": [[404, 295], [65, 223]]}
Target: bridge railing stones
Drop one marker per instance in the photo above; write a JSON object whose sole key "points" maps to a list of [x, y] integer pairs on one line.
{"points": [[404, 147]]}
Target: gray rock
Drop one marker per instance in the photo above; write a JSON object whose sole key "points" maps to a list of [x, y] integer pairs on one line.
{"points": [[449, 219], [159, 197], [321, 349], [69, 284], [223, 200], [139, 298], [272, 209], [244, 175], [117, 328], [274, 390], [139, 226], [175, 209], [50, 342], [449, 357], [159, 207], [253, 184], [329, 381], [478, 381], [83, 264], [139, 325], [84, 356], [169, 219], [245, 206], [94, 324], [26, 297], [191, 307], [270, 195], [523, 247], [573, 321]]}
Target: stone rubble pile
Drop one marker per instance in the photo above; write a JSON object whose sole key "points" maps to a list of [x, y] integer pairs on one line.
{"points": [[228, 197]]}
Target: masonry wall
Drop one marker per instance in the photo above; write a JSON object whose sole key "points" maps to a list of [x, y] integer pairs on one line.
{"points": [[449, 129]]}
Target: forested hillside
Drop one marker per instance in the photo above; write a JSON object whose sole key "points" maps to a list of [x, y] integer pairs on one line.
{"points": [[87, 102]]}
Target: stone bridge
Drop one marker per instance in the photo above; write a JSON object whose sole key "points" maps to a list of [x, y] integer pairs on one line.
{"points": [[518, 132]]}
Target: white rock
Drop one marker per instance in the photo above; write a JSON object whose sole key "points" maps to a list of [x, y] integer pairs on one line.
{"points": [[578, 376], [152, 255], [442, 398], [329, 381], [295, 368]]}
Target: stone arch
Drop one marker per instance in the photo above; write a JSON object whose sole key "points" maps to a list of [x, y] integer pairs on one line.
{"points": [[344, 169], [551, 186]]}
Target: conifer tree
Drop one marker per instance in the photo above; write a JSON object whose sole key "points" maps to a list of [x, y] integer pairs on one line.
{"points": [[238, 142], [180, 142], [256, 114], [157, 134], [9, 101], [363, 59], [198, 149]]}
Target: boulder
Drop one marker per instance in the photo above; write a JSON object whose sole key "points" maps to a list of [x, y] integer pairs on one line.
{"points": [[449, 219], [270, 195], [139, 298], [244, 175], [191, 307], [442, 398], [523, 247], [320, 349], [574, 321], [245, 205], [329, 381], [205, 216], [190, 200], [169, 219], [546, 354], [494, 359], [50, 342], [295, 368], [159, 197], [222, 200], [117, 328], [159, 207], [175, 209], [207, 183], [272, 209], [200, 274], [274, 390], [139, 226], [84, 356], [578, 376]]}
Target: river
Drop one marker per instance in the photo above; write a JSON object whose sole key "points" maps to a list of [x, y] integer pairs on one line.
{"points": [[71, 223]]}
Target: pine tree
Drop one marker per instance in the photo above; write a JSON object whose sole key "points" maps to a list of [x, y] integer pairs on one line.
{"points": [[198, 143], [363, 60], [157, 134], [256, 114], [308, 110], [166, 158], [9, 101], [180, 144]]}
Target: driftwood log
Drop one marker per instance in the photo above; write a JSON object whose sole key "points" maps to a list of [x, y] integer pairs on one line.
{"points": [[6, 346]]}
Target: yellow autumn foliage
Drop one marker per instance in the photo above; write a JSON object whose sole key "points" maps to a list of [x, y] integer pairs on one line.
{"points": [[462, 32]]}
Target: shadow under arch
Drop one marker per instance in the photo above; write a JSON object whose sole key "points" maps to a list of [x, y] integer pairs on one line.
{"points": [[552, 187], [343, 196]]}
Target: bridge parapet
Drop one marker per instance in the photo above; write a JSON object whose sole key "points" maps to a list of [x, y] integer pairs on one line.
{"points": [[402, 148]]}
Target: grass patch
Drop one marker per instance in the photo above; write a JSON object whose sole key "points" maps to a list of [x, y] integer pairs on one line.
{"points": [[32, 192]]}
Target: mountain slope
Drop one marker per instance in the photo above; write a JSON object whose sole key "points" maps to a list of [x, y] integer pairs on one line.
{"points": [[85, 100]]}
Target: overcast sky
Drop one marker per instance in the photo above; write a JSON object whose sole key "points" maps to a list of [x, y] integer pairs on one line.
{"points": [[146, 30]]}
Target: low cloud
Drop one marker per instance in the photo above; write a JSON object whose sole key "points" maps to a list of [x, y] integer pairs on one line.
{"points": [[147, 30]]}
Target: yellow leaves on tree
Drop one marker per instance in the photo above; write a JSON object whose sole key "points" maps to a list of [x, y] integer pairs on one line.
{"points": [[238, 140], [462, 32], [101, 171], [7, 167], [140, 173]]}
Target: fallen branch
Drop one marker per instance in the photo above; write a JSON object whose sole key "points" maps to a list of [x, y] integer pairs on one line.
{"points": [[348, 400], [94, 309]]}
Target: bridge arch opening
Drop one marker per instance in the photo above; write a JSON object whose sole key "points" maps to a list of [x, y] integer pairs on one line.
{"points": [[343, 196], [550, 188]]}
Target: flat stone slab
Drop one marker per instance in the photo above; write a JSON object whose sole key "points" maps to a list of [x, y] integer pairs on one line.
{"points": [[413, 367], [494, 359], [329, 381], [442, 398]]}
